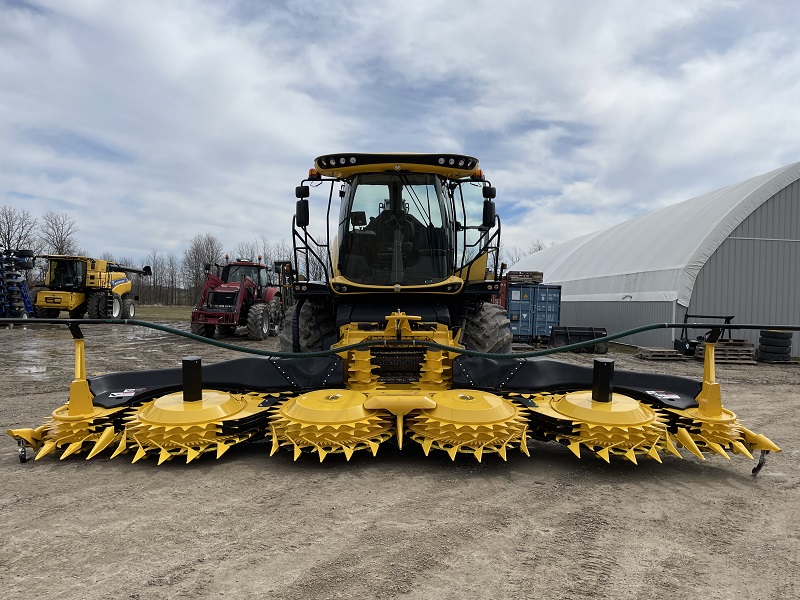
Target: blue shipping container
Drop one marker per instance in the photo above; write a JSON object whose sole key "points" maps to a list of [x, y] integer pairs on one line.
{"points": [[533, 310]]}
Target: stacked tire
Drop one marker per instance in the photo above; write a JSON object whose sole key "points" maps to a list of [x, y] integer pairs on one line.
{"points": [[774, 346]]}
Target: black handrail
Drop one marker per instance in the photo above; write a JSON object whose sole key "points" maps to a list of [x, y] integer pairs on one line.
{"points": [[716, 330]]}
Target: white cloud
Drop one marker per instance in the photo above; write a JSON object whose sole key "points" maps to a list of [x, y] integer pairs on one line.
{"points": [[151, 122]]}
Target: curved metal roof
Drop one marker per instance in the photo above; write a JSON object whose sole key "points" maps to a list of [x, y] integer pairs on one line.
{"points": [[655, 257]]}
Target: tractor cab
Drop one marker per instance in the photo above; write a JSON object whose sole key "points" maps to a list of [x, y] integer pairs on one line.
{"points": [[395, 228], [405, 221], [237, 271], [66, 273]]}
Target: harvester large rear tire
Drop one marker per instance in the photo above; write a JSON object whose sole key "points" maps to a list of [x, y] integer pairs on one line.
{"points": [[96, 306], [315, 323], [488, 330], [78, 312], [128, 309], [258, 322]]}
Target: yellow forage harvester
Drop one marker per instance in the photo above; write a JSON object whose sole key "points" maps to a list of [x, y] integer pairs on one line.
{"points": [[394, 339]]}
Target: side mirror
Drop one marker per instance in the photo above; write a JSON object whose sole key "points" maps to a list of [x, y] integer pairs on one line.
{"points": [[147, 271], [302, 191], [301, 212], [489, 192], [488, 213], [207, 267]]}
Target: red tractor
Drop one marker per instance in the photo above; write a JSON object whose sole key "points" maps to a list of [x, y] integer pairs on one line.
{"points": [[243, 293]]}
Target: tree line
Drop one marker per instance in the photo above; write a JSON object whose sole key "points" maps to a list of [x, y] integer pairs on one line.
{"points": [[176, 279]]}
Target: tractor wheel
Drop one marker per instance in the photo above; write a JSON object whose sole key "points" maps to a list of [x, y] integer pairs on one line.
{"points": [[275, 316], [96, 306], [488, 330], [116, 306], [203, 329], [128, 308], [258, 322], [226, 330], [78, 312]]}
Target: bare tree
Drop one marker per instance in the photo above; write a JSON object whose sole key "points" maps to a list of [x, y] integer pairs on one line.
{"points": [[172, 277], [513, 254], [204, 248], [17, 228], [57, 233], [154, 288], [246, 251]]}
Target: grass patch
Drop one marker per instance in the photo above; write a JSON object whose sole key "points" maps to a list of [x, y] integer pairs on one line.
{"points": [[157, 313]]}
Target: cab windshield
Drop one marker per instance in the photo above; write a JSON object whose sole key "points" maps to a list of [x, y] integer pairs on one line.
{"points": [[239, 272], [67, 273], [395, 228]]}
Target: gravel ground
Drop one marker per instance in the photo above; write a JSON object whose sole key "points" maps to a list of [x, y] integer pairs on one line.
{"points": [[395, 526]]}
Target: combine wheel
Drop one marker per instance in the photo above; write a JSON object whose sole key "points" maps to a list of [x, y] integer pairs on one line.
{"points": [[128, 308], [488, 330], [78, 312], [116, 307], [45, 313], [203, 329], [258, 324], [96, 306]]}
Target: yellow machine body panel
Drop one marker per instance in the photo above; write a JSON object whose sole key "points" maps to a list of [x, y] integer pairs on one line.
{"points": [[60, 300]]}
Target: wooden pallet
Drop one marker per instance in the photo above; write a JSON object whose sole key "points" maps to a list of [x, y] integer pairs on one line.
{"points": [[659, 354], [730, 351], [525, 277]]}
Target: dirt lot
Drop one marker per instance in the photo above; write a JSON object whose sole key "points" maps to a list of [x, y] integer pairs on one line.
{"points": [[395, 526]]}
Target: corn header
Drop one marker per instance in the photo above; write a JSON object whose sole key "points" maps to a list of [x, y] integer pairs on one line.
{"points": [[340, 403], [393, 340]]}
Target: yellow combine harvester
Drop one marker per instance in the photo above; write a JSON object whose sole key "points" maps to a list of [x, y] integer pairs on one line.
{"points": [[85, 286], [394, 341]]}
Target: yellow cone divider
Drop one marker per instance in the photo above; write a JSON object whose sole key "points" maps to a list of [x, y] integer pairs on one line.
{"points": [[469, 421]]}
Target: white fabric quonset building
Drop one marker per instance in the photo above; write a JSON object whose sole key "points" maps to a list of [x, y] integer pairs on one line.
{"points": [[735, 251]]}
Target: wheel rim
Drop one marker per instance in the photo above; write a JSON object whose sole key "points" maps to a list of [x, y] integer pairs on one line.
{"points": [[116, 309], [265, 322], [131, 311]]}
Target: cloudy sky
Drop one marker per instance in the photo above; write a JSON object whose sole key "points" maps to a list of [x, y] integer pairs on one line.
{"points": [[150, 122]]}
